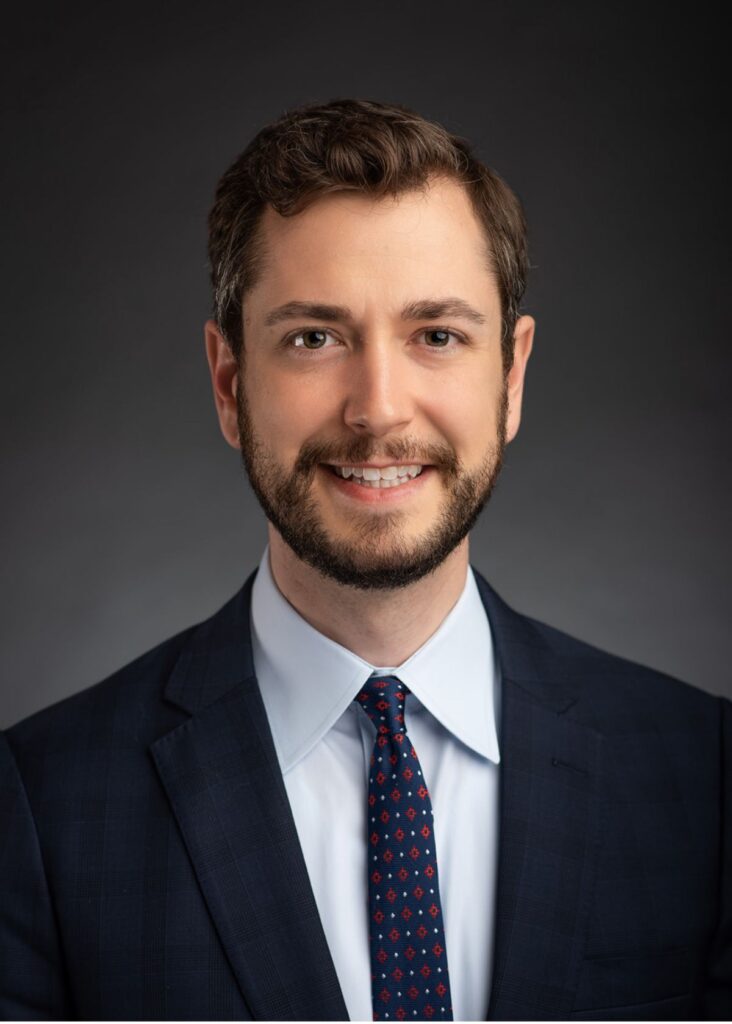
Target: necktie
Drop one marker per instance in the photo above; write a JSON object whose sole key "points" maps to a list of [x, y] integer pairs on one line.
{"points": [[409, 979]]}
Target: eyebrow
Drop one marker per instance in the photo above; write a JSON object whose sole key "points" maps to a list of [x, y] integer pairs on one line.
{"points": [[311, 310], [422, 309], [436, 309]]}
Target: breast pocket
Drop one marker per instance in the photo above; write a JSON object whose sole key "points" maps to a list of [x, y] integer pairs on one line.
{"points": [[641, 986]]}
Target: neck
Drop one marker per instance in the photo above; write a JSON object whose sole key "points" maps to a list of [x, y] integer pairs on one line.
{"points": [[384, 627]]}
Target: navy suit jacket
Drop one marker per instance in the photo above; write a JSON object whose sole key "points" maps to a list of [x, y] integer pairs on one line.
{"points": [[150, 866]]}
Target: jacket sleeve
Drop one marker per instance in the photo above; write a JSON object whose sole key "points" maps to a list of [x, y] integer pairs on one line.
{"points": [[719, 976], [32, 978]]}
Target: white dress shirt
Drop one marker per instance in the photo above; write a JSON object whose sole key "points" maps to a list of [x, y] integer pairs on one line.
{"points": [[324, 743]]}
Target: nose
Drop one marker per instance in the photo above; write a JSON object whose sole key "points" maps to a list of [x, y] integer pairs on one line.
{"points": [[379, 400]]}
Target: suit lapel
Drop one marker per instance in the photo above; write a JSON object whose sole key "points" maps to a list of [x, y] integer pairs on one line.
{"points": [[221, 774], [550, 758]]}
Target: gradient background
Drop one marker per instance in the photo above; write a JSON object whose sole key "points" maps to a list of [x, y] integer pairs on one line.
{"points": [[126, 517]]}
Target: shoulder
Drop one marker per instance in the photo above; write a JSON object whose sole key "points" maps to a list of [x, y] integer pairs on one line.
{"points": [[610, 692], [619, 688], [125, 706], [130, 709]]}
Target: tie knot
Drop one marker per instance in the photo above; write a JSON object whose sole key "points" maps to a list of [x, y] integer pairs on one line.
{"points": [[383, 699]]}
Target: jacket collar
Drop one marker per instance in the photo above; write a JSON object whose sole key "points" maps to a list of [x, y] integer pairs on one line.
{"points": [[217, 658], [524, 654], [549, 819]]}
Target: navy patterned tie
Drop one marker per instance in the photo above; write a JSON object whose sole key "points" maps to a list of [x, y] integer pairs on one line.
{"points": [[409, 979]]}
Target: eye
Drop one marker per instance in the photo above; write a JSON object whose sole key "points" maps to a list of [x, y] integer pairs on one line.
{"points": [[311, 339], [439, 337]]}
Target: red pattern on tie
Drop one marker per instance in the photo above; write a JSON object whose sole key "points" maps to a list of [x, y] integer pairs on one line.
{"points": [[409, 976]]}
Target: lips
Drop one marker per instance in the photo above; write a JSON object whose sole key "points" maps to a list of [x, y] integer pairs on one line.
{"points": [[376, 496], [410, 470]]}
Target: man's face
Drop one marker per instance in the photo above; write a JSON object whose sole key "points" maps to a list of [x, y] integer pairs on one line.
{"points": [[374, 337]]}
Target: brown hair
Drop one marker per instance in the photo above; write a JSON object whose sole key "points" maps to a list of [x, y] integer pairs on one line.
{"points": [[357, 145]]}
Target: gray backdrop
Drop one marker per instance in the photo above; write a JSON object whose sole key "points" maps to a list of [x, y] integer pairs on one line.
{"points": [[126, 517]]}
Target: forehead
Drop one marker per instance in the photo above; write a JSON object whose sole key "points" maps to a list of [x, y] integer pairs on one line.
{"points": [[351, 249]]}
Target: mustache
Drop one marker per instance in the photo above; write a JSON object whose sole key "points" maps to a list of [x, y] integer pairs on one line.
{"points": [[312, 454]]}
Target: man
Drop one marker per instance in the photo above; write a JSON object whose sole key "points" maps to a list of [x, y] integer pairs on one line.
{"points": [[366, 787]]}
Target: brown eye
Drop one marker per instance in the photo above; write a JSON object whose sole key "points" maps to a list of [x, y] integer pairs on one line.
{"points": [[312, 339], [438, 338]]}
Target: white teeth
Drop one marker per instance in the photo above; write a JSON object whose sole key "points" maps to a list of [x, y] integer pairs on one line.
{"points": [[389, 476]]}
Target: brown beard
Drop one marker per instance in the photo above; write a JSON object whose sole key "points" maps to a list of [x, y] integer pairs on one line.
{"points": [[287, 502]]}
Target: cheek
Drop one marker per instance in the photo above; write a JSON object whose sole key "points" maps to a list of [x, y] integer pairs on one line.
{"points": [[466, 413], [288, 410]]}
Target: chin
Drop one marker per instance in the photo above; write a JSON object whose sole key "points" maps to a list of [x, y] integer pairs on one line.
{"points": [[387, 533]]}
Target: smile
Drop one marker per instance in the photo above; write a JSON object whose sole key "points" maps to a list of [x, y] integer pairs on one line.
{"points": [[377, 486], [378, 477]]}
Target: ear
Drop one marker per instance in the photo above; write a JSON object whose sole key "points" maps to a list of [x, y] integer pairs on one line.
{"points": [[224, 379], [523, 340]]}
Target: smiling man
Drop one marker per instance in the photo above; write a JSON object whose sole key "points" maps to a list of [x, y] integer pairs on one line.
{"points": [[366, 788], [372, 406]]}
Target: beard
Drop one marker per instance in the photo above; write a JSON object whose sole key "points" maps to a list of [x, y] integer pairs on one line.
{"points": [[376, 555]]}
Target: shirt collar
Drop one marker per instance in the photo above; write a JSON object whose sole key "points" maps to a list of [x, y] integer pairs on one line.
{"points": [[309, 681]]}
